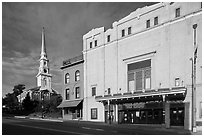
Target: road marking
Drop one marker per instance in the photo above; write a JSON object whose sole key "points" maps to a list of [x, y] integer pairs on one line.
{"points": [[51, 129], [93, 128]]}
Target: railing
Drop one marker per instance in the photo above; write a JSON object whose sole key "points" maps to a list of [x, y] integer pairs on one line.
{"points": [[72, 60]]}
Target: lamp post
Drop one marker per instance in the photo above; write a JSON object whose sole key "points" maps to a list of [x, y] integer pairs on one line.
{"points": [[192, 76], [194, 79]]}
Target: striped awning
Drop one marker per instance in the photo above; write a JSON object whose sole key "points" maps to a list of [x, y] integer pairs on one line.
{"points": [[70, 103]]}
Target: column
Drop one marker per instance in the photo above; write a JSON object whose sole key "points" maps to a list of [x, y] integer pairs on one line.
{"points": [[116, 113], [63, 113], [167, 114], [187, 116]]}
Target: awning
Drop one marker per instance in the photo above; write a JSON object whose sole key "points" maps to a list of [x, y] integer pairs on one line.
{"points": [[70, 103]]}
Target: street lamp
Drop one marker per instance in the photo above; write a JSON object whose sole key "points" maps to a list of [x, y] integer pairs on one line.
{"points": [[194, 79]]}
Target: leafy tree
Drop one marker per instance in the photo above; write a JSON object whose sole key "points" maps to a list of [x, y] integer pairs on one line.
{"points": [[18, 89], [11, 101], [29, 104]]}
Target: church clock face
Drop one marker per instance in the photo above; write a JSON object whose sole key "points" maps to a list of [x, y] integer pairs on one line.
{"points": [[45, 71]]}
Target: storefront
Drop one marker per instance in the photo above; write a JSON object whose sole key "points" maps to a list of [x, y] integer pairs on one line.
{"points": [[154, 107], [71, 109]]}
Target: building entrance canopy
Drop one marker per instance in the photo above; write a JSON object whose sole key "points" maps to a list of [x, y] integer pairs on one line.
{"points": [[163, 94], [70, 103]]}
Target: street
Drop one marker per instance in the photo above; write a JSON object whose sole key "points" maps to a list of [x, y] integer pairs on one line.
{"points": [[14, 126]]}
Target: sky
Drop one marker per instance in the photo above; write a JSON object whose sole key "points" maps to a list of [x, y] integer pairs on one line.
{"points": [[65, 24]]}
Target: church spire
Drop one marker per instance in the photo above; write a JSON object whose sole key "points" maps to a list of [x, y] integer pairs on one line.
{"points": [[44, 76], [43, 49]]}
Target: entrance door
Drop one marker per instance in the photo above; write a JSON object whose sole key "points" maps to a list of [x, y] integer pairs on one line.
{"points": [[177, 116], [136, 117]]}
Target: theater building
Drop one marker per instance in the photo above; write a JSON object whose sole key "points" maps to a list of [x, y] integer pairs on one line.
{"points": [[72, 73], [140, 72]]}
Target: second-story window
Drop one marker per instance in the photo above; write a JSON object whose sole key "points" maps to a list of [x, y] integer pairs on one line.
{"points": [[77, 75], [90, 45], [67, 94], [67, 78], [177, 14], [109, 90], [123, 33], [93, 91], [108, 38], [129, 30], [139, 76], [155, 20], [147, 23], [77, 91], [95, 43], [177, 82]]}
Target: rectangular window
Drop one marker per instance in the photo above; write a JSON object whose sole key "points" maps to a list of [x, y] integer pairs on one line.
{"points": [[123, 33], [177, 12], [147, 78], [94, 113], [139, 76], [109, 90], [147, 23], [155, 20], [108, 38], [177, 82], [90, 45], [129, 30], [77, 92], [95, 43], [139, 82], [131, 82], [93, 91], [67, 94]]}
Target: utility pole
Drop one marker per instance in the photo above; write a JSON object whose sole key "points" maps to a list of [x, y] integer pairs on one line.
{"points": [[194, 79]]}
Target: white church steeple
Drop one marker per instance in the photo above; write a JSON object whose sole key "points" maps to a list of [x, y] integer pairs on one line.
{"points": [[43, 76]]}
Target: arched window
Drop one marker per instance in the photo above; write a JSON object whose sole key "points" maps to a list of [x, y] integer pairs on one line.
{"points": [[45, 81], [67, 78], [77, 75]]}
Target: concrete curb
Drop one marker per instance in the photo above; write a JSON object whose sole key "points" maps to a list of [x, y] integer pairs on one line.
{"points": [[53, 120], [20, 117]]}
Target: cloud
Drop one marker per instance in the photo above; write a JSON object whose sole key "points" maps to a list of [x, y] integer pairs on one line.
{"points": [[65, 24]]}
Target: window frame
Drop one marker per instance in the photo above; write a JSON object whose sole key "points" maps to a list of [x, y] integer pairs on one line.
{"points": [[144, 75], [177, 12], [148, 23], [77, 75], [123, 33], [93, 90], [94, 115], [108, 38], [67, 78], [177, 82], [67, 94], [96, 43], [129, 30], [77, 92], [90, 45], [156, 20]]}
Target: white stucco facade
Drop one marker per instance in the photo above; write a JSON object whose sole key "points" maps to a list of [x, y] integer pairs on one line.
{"points": [[169, 45]]}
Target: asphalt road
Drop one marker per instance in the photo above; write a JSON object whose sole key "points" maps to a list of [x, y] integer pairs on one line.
{"points": [[14, 126]]}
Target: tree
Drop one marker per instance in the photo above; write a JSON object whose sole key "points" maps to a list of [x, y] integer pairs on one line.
{"points": [[18, 89], [28, 104], [11, 101]]}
